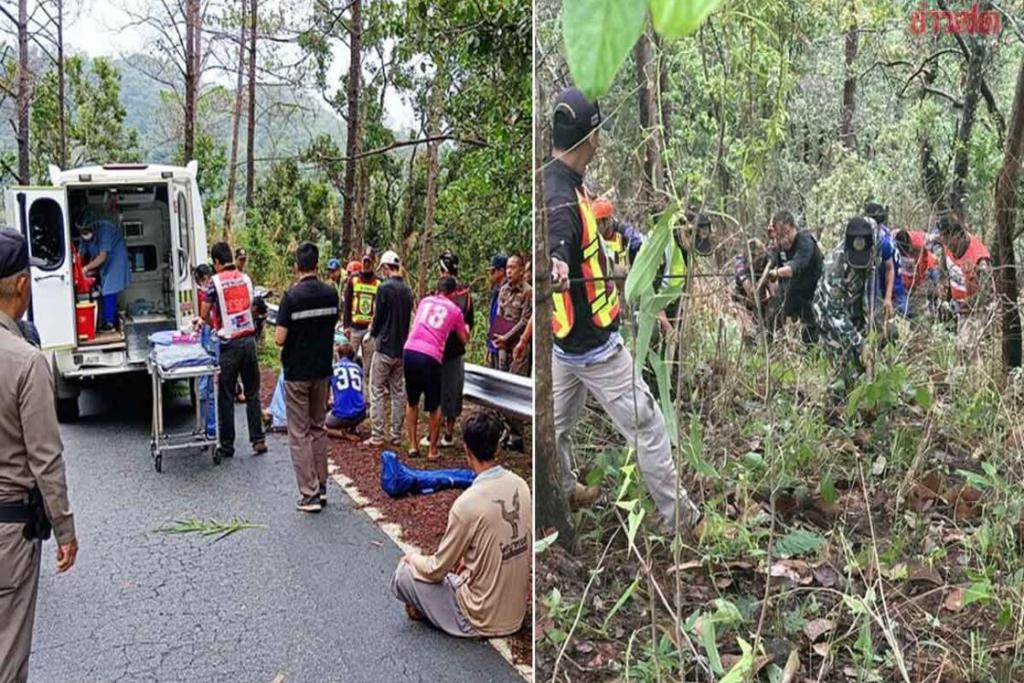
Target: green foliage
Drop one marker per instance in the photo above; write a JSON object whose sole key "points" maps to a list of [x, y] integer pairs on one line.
{"points": [[599, 34], [798, 542], [212, 157], [94, 118]]}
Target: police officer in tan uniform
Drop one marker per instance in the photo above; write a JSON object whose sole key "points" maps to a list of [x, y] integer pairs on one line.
{"points": [[33, 492]]}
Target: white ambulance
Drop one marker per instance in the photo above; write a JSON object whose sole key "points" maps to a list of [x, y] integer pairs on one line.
{"points": [[158, 211]]}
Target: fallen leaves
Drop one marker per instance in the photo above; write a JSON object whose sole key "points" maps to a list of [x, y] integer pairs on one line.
{"points": [[817, 628]]}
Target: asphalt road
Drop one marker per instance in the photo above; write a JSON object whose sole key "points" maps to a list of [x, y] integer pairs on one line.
{"points": [[306, 597]]}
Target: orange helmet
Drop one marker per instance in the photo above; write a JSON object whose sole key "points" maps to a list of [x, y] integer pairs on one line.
{"points": [[602, 208], [354, 267]]}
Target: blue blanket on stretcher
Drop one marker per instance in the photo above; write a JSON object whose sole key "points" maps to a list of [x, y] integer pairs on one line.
{"points": [[398, 480], [181, 356]]}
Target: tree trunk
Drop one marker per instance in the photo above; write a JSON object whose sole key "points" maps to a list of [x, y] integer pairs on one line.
{"points": [[646, 87], [362, 190], [24, 93], [431, 200], [550, 502], [355, 33], [847, 134], [1007, 183], [662, 100], [972, 90], [250, 142], [236, 118], [62, 149], [190, 78]]}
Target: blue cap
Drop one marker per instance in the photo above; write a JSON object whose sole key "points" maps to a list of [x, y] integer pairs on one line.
{"points": [[499, 261], [334, 264], [14, 256]]}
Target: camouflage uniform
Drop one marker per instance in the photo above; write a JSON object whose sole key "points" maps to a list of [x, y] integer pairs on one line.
{"points": [[844, 302]]}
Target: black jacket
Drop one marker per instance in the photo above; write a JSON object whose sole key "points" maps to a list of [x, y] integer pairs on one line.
{"points": [[392, 313]]}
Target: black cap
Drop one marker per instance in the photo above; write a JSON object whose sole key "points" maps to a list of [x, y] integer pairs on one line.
{"points": [[860, 235], [14, 256], [876, 212], [700, 224], [499, 261], [574, 118]]}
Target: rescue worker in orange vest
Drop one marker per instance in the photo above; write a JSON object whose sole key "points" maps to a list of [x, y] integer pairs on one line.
{"points": [[358, 300], [918, 267], [588, 355], [966, 267], [227, 308]]}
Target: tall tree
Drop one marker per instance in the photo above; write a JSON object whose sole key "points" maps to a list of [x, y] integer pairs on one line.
{"points": [[192, 31], [1007, 206], [972, 91], [355, 33], [646, 80], [847, 134], [236, 117], [250, 142], [433, 132], [24, 93]]}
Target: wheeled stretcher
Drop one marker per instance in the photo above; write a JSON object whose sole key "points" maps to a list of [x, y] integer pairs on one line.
{"points": [[172, 363]]}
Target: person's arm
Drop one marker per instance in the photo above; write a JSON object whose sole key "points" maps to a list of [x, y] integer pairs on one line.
{"points": [[519, 353], [563, 231], [457, 536], [41, 435], [347, 307], [524, 315], [460, 328], [98, 261], [382, 303], [284, 316], [470, 312], [890, 279]]}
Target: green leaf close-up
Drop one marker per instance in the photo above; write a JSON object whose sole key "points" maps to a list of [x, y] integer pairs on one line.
{"points": [[676, 18], [599, 35]]}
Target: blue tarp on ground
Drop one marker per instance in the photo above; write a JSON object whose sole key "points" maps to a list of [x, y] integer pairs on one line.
{"points": [[398, 480]]}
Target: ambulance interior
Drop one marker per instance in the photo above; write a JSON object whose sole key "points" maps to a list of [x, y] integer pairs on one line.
{"points": [[141, 214]]}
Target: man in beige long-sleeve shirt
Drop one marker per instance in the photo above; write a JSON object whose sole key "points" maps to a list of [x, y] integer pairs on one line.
{"points": [[30, 460], [477, 584]]}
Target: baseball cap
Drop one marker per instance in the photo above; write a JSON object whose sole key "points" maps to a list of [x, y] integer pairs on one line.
{"points": [[449, 263], [574, 118], [390, 258], [860, 235], [499, 261], [14, 256], [700, 223], [333, 264], [602, 208], [876, 212]]}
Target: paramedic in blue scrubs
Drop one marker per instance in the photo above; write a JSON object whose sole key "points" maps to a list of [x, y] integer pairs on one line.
{"points": [[104, 250]]}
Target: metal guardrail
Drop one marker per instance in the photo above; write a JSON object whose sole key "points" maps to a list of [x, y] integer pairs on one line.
{"points": [[502, 391]]}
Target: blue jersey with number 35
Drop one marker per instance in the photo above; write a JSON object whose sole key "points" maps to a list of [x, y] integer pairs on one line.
{"points": [[347, 390]]}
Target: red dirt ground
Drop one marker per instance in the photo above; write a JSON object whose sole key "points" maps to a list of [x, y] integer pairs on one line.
{"points": [[422, 518]]}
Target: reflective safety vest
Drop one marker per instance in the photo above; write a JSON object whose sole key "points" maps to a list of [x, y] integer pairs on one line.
{"points": [[602, 296], [234, 301], [674, 274], [963, 271], [363, 295], [616, 247]]}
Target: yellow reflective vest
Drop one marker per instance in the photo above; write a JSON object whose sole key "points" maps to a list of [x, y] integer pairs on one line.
{"points": [[363, 295]]}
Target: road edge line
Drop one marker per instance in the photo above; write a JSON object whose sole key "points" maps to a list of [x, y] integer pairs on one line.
{"points": [[394, 531]]}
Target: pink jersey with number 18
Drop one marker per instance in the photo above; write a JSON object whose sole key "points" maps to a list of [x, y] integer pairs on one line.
{"points": [[436, 318]]}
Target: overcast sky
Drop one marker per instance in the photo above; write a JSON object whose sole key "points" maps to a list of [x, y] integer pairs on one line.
{"points": [[98, 29]]}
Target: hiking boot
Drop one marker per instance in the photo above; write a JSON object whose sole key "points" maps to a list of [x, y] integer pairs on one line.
{"points": [[259, 448], [584, 496], [447, 441], [310, 504]]}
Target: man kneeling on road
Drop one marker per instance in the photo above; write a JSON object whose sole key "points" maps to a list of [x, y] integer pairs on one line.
{"points": [[477, 584]]}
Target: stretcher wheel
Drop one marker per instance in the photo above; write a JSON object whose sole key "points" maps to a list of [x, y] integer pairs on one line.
{"points": [[158, 462], [216, 454]]}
